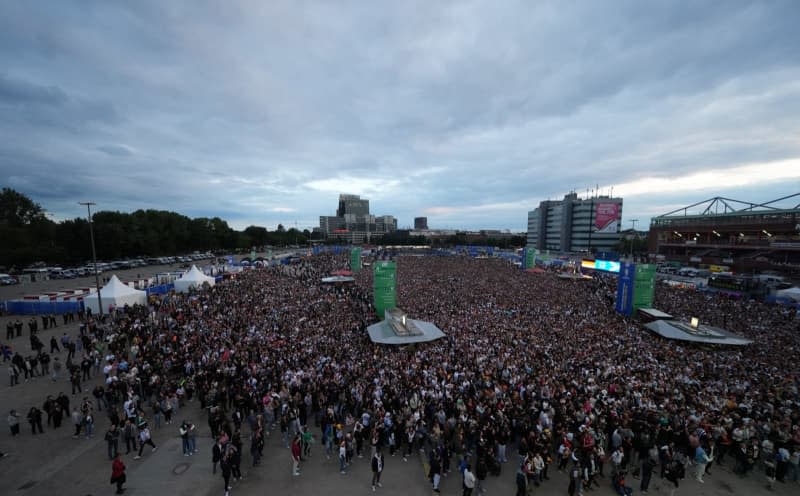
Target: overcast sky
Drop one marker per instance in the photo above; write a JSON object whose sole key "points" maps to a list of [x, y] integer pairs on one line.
{"points": [[471, 113]]}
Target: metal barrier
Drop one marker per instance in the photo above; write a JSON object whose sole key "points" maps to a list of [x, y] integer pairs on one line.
{"points": [[31, 307]]}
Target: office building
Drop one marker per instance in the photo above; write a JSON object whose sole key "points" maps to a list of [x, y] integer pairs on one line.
{"points": [[420, 223], [575, 224], [353, 223]]}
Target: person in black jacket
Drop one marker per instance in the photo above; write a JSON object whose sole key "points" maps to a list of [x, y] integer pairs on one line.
{"points": [[225, 467], [35, 419], [377, 468], [216, 457]]}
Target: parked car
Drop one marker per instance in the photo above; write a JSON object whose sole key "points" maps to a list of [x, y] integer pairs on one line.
{"points": [[7, 280]]}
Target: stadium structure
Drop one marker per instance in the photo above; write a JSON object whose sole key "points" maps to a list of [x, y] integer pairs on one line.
{"points": [[741, 235]]}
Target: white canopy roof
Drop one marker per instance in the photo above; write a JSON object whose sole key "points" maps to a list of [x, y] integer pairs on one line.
{"points": [[193, 278], [793, 293], [116, 293]]}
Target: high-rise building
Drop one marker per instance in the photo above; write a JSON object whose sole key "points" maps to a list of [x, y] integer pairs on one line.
{"points": [[576, 225], [353, 223], [352, 204], [420, 223]]}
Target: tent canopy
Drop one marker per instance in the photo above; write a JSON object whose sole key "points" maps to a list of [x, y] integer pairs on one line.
{"points": [[793, 293], [193, 278], [116, 293]]}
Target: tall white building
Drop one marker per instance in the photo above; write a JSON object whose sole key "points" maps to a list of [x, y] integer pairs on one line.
{"points": [[575, 225]]}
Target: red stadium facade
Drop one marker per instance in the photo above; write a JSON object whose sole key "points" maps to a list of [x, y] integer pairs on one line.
{"points": [[720, 231]]}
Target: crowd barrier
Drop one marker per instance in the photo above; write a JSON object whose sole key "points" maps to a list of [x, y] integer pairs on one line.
{"points": [[160, 290], [30, 307]]}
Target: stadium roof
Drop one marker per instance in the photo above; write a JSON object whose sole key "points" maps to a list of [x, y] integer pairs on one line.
{"points": [[719, 205]]}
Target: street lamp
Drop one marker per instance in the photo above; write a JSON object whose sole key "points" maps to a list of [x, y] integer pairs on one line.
{"points": [[634, 235], [94, 254]]}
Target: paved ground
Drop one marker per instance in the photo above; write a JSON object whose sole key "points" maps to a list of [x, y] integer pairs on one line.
{"points": [[28, 288], [54, 463]]}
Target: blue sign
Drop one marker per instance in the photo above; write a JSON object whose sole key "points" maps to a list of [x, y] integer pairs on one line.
{"points": [[627, 273]]}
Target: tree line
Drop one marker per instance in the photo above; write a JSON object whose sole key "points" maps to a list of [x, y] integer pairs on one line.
{"points": [[28, 236]]}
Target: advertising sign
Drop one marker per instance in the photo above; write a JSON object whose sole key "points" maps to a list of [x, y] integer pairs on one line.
{"points": [[529, 258], [384, 286], [607, 265], [355, 259], [625, 288], [644, 286], [606, 217]]}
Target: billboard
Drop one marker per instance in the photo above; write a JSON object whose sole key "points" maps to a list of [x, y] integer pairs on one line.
{"points": [[644, 286], [384, 285], [607, 265], [606, 217], [355, 259], [625, 288], [529, 258], [604, 265]]}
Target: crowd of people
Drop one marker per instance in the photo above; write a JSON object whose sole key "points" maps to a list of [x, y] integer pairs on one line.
{"points": [[536, 374]]}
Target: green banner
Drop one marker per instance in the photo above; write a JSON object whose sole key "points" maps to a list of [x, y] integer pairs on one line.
{"points": [[644, 286], [384, 286], [355, 259], [530, 257]]}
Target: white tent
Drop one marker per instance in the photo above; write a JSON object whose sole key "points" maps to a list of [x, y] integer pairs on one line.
{"points": [[115, 293], [194, 278], [793, 293]]}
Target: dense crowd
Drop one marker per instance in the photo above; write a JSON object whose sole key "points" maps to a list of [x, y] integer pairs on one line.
{"points": [[535, 373]]}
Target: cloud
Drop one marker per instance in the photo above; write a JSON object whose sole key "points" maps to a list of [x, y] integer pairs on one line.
{"points": [[116, 150], [469, 112], [17, 92]]}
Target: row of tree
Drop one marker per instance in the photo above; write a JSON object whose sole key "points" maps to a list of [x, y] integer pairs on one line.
{"points": [[29, 236]]}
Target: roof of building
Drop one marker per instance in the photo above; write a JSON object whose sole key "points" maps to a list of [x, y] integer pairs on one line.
{"points": [[384, 333], [681, 331]]}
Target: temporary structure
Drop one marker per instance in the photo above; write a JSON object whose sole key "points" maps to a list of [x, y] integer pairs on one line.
{"points": [[793, 293], [194, 278], [116, 293]]}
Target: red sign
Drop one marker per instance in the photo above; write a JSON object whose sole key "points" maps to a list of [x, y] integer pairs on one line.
{"points": [[606, 217]]}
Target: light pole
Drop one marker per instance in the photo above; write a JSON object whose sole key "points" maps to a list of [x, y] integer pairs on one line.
{"points": [[633, 234], [94, 254]]}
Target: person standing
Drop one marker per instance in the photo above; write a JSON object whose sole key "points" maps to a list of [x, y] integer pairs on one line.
{"points": [[13, 422], [648, 465], [342, 457], [144, 438], [377, 468], [112, 438], [296, 452], [35, 419], [435, 474], [184, 431], [129, 434], [118, 473], [469, 481], [216, 456], [701, 459], [225, 468]]}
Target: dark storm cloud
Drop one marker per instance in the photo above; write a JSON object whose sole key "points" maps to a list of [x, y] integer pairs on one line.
{"points": [[471, 112]]}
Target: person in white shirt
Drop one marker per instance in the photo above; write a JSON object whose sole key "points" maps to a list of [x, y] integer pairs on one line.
{"points": [[469, 481], [616, 460]]}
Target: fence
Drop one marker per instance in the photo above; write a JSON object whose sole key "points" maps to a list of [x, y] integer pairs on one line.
{"points": [[31, 307]]}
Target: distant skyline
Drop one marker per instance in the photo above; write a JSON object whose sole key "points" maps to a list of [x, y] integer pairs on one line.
{"points": [[468, 113]]}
